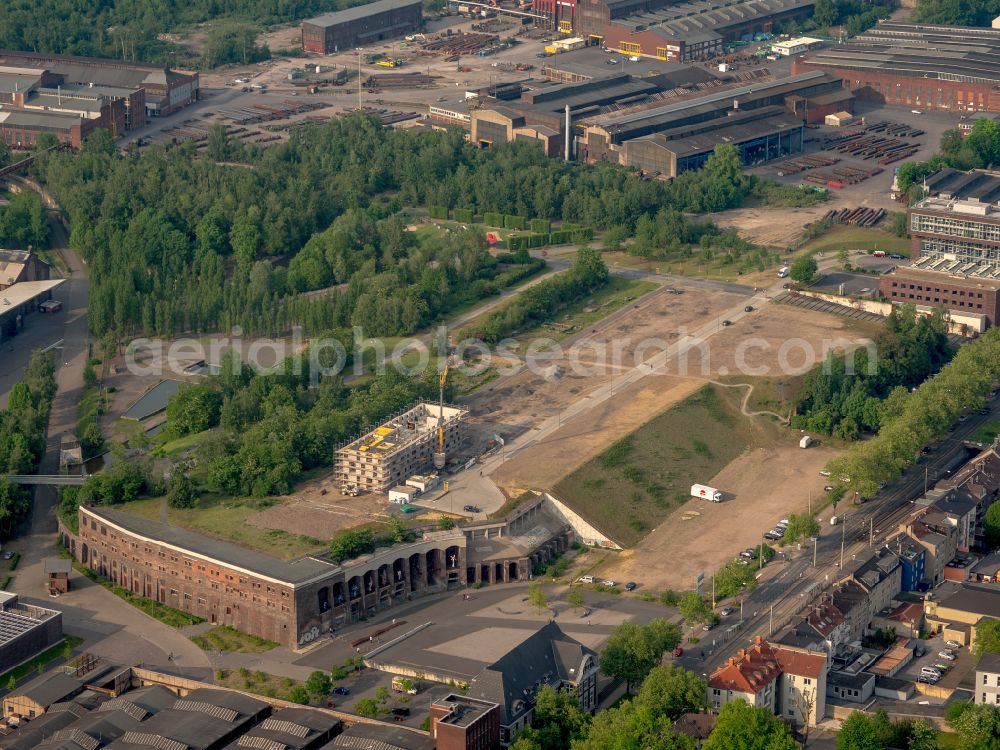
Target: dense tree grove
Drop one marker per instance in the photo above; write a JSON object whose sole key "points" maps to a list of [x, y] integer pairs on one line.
{"points": [[633, 650], [133, 28], [853, 15], [957, 12], [861, 731], [910, 421], [23, 221], [845, 403], [977, 726], [163, 232], [274, 425], [22, 435]]}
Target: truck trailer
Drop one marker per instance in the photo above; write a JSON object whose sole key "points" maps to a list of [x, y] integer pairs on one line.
{"points": [[706, 493]]}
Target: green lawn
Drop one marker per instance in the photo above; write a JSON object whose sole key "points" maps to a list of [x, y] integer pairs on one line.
{"points": [[165, 447], [90, 408], [856, 238], [987, 433], [223, 638], [949, 741], [56, 651], [639, 480], [226, 518]]}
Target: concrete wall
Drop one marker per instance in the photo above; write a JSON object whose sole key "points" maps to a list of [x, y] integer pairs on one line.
{"points": [[584, 531], [957, 326]]}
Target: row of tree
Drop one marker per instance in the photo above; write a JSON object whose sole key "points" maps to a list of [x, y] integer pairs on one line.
{"points": [[545, 299], [852, 393], [22, 435], [910, 420], [854, 15], [957, 12]]}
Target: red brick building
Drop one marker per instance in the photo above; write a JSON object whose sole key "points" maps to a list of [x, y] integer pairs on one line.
{"points": [[917, 66], [956, 258], [462, 723]]}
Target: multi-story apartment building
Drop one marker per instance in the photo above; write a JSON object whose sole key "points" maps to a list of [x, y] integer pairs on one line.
{"points": [[399, 448], [987, 691], [788, 681]]}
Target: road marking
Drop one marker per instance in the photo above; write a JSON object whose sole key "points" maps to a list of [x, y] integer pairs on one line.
{"points": [[56, 345]]}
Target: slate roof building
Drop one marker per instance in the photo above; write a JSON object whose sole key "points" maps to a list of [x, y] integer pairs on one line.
{"points": [[549, 657]]}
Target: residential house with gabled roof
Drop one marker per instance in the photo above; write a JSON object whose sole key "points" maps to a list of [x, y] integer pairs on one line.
{"points": [[852, 601], [940, 544], [879, 576], [788, 681], [819, 627]]}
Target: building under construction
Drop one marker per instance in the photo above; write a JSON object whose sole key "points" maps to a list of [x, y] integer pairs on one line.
{"points": [[399, 448]]}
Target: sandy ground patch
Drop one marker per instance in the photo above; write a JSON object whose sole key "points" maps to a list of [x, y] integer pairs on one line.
{"points": [[775, 341], [583, 438], [762, 486], [319, 510], [517, 403]]}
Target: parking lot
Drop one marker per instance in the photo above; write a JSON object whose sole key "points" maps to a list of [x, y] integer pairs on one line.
{"points": [[951, 677]]}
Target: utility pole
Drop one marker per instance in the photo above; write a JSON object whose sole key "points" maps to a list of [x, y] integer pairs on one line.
{"points": [[815, 545], [713, 592], [871, 532], [770, 623], [359, 79], [810, 503], [925, 479], [843, 530], [761, 555]]}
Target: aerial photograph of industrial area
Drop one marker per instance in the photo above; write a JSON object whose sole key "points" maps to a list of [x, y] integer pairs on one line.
{"points": [[528, 374]]}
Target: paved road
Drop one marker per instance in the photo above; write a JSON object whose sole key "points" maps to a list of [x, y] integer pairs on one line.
{"points": [[110, 627], [789, 587]]}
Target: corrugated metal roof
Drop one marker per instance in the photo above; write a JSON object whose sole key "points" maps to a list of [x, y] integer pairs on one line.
{"points": [[358, 12]]}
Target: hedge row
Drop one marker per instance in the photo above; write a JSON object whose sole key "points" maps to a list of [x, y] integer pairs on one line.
{"points": [[559, 237]]}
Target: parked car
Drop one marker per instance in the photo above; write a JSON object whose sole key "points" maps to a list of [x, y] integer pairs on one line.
{"points": [[341, 691], [471, 509], [774, 535], [947, 654], [8, 555], [824, 473], [950, 644], [710, 625], [942, 668], [928, 679], [726, 611], [630, 586], [749, 554], [919, 651], [727, 322], [401, 711], [748, 308], [609, 582], [678, 652], [586, 579]]}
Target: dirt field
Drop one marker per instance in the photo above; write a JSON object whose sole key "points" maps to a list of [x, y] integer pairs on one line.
{"points": [[775, 341], [766, 484], [578, 442], [514, 405]]}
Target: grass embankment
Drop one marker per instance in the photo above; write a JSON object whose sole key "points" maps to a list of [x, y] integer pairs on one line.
{"points": [[60, 650], [165, 447], [769, 394], [167, 615], [223, 638], [633, 485], [841, 237], [225, 518]]}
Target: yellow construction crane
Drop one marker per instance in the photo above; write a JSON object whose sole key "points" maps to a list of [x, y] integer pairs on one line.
{"points": [[439, 457]]}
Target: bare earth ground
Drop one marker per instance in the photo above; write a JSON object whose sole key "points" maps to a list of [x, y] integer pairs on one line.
{"points": [[526, 398], [776, 341], [560, 454], [766, 484]]}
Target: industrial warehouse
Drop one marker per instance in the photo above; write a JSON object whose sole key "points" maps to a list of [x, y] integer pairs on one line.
{"points": [[365, 24], [71, 97], [665, 30], [636, 123], [910, 65], [955, 235]]}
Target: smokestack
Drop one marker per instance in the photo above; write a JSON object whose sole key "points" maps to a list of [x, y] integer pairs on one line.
{"points": [[567, 132]]}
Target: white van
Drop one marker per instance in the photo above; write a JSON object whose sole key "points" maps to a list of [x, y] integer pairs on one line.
{"points": [[930, 671], [783, 272]]}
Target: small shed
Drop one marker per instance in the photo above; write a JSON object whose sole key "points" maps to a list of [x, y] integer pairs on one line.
{"points": [[402, 495], [57, 574], [424, 482], [839, 119], [805, 442]]}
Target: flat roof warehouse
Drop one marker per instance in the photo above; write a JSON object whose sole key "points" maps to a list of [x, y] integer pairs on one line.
{"points": [[359, 12]]}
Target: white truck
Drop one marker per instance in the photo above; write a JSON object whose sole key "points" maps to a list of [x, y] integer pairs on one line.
{"points": [[706, 493], [783, 272]]}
